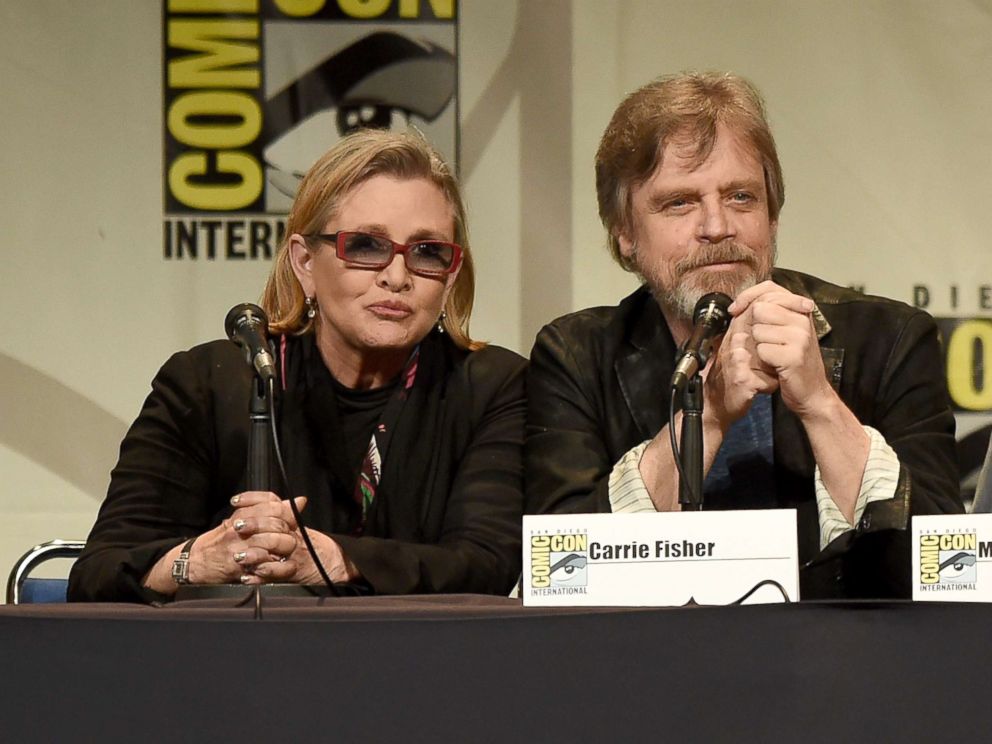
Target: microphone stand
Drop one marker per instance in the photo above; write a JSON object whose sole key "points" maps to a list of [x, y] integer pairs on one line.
{"points": [[691, 450], [259, 470], [258, 477], [246, 326], [260, 445], [711, 318]]}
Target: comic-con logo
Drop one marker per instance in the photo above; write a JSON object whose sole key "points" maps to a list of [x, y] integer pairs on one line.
{"points": [[559, 560], [255, 92], [948, 559]]}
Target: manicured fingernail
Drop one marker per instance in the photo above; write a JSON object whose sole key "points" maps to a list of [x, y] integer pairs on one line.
{"points": [[235, 499], [238, 557], [245, 578], [239, 524]]}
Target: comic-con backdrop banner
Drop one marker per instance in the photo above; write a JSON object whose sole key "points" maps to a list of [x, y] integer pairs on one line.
{"points": [[255, 91], [967, 346]]}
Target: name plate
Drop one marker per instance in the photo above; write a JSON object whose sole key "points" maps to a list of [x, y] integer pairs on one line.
{"points": [[660, 560], [952, 558]]}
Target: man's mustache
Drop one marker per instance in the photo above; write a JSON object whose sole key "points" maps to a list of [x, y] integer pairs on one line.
{"points": [[725, 252]]}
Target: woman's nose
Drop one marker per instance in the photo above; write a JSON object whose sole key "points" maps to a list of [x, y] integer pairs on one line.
{"points": [[395, 276]]}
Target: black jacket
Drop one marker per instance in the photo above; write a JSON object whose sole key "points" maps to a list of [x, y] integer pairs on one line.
{"points": [[185, 455], [598, 383]]}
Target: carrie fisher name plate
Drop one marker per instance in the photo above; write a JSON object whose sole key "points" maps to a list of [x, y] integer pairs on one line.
{"points": [[660, 560]]}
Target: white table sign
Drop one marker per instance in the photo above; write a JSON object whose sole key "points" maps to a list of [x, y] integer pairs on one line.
{"points": [[952, 558], [660, 560]]}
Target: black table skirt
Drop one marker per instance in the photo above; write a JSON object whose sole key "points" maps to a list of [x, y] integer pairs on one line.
{"points": [[485, 669]]}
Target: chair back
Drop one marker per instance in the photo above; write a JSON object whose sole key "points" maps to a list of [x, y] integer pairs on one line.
{"points": [[22, 589]]}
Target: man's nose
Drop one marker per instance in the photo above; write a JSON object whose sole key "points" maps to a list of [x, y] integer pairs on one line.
{"points": [[715, 223]]}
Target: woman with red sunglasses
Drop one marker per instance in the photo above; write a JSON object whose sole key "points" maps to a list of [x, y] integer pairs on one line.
{"points": [[400, 435]]}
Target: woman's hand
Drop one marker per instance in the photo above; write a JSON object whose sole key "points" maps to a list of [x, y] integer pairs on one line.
{"points": [[259, 543], [261, 531], [272, 548], [332, 558]]}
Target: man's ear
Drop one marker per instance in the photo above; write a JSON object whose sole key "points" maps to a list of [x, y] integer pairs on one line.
{"points": [[301, 259], [626, 244]]}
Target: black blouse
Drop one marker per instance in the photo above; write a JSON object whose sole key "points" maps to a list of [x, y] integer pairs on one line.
{"points": [[447, 512]]}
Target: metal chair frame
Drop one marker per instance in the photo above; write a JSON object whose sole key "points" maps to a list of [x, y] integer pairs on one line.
{"points": [[35, 557]]}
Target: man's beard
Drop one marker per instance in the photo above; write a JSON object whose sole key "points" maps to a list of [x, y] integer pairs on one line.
{"points": [[679, 293]]}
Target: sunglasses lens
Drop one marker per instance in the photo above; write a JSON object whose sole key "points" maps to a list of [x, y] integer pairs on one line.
{"points": [[367, 250], [431, 257]]}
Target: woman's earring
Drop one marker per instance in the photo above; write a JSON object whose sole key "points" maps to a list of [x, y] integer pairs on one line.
{"points": [[311, 307], [440, 322]]}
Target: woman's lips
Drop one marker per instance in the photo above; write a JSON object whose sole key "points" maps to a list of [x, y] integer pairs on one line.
{"points": [[391, 310]]}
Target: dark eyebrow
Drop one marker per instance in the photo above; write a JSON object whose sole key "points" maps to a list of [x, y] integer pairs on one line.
{"points": [[749, 184], [421, 234], [371, 229], [428, 235]]}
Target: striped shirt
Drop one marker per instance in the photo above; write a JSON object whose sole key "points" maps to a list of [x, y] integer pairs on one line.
{"points": [[629, 494]]}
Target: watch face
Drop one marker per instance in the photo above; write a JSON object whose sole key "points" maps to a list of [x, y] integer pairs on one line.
{"points": [[180, 568]]}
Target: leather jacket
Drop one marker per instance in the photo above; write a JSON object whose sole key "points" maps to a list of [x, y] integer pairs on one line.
{"points": [[598, 382]]}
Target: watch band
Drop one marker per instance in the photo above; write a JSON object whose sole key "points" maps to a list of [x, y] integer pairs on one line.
{"points": [[180, 566]]}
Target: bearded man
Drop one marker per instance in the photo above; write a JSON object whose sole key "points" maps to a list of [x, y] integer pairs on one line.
{"points": [[817, 398]]}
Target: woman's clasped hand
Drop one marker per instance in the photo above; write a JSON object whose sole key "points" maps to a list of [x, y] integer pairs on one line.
{"points": [[260, 543]]}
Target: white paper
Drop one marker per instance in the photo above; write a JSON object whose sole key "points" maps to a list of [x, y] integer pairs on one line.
{"points": [[660, 560]]}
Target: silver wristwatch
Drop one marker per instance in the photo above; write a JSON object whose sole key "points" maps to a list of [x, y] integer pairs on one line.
{"points": [[180, 566]]}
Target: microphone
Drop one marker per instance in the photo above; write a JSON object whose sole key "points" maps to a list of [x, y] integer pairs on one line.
{"points": [[247, 326], [710, 318]]}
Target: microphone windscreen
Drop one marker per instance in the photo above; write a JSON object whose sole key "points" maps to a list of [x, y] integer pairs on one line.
{"points": [[712, 310], [245, 312]]}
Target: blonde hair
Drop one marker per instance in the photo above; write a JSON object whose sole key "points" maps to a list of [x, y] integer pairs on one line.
{"points": [[356, 158], [690, 105]]}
